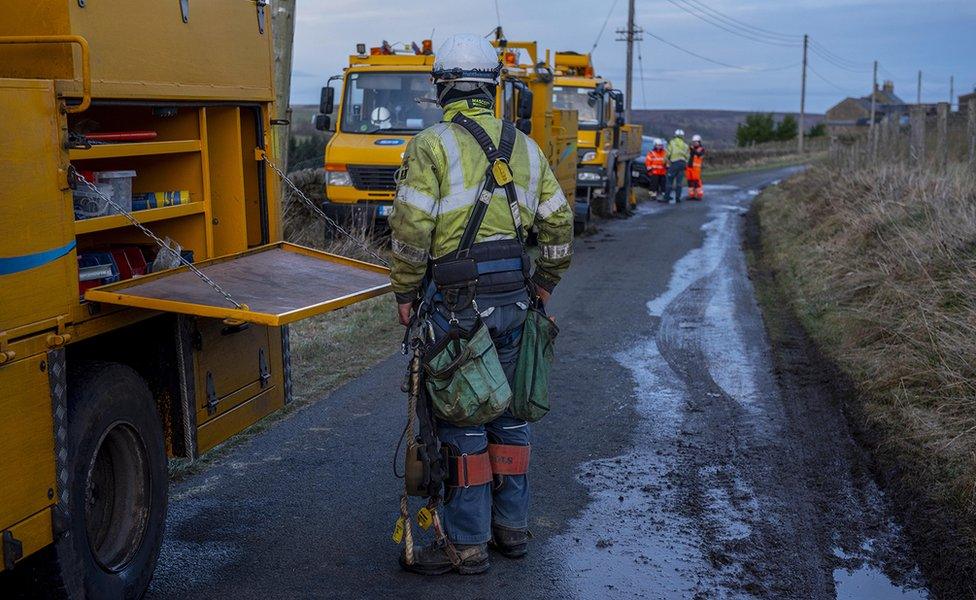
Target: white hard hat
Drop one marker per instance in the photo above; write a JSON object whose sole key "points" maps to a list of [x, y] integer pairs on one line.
{"points": [[679, 133], [696, 138], [381, 117], [466, 57], [658, 143]]}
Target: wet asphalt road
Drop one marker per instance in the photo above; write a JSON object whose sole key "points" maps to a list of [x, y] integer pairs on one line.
{"points": [[681, 460]]}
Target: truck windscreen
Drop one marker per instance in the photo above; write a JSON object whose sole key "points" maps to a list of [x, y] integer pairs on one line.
{"points": [[387, 103], [579, 98]]}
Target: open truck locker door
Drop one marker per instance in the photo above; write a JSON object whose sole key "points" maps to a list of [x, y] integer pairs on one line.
{"points": [[278, 284]]}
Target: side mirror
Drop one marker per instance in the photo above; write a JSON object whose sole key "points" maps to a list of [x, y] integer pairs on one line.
{"points": [[525, 105], [327, 100], [322, 122], [524, 125]]}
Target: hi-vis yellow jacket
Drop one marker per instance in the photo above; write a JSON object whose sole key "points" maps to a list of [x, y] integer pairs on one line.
{"points": [[442, 174]]}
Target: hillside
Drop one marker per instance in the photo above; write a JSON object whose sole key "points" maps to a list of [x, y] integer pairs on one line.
{"points": [[717, 127]]}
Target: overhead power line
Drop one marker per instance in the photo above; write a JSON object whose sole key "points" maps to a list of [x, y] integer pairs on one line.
{"points": [[827, 81], [717, 62], [731, 28], [746, 26], [604, 26]]}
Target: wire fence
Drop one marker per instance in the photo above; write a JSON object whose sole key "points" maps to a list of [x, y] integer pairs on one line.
{"points": [[927, 137]]}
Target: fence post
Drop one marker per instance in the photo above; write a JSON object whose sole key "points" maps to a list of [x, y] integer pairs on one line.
{"points": [[916, 145], [971, 137], [942, 135]]}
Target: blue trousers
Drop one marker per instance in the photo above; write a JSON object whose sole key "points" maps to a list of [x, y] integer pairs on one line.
{"points": [[468, 512], [676, 177]]}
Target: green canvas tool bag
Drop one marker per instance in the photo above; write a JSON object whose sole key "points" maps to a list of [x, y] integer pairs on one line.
{"points": [[465, 379], [530, 401]]}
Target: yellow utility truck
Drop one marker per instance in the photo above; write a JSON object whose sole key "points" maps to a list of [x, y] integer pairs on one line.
{"points": [[525, 96], [130, 126], [606, 143], [387, 97], [376, 116]]}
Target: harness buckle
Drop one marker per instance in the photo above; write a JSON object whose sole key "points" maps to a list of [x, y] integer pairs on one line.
{"points": [[502, 172]]}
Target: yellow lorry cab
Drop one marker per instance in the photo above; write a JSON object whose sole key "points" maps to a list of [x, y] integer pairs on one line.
{"points": [[606, 143], [117, 355], [387, 96], [525, 96], [377, 114]]}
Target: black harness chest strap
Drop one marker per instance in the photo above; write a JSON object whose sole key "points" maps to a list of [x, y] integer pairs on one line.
{"points": [[503, 152]]}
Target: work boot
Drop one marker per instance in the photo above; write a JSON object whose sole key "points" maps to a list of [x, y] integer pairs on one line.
{"points": [[510, 543], [433, 559]]}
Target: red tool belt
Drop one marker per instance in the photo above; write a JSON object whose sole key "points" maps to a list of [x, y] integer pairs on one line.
{"points": [[509, 460], [477, 469], [468, 470]]}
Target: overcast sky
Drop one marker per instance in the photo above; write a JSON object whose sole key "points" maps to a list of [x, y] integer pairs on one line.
{"points": [[937, 36]]}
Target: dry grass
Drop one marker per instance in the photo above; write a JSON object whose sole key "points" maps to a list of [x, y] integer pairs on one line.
{"points": [[880, 263], [328, 350]]}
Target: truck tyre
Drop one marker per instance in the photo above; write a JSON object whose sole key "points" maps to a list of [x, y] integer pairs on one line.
{"points": [[622, 197], [117, 481], [581, 225]]}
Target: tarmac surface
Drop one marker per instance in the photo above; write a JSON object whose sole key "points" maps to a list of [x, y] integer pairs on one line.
{"points": [[684, 457]]}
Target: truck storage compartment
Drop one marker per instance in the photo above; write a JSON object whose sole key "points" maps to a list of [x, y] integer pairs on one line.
{"points": [[126, 38]]}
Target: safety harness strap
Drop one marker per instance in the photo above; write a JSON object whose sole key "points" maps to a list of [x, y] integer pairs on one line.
{"points": [[503, 152], [469, 469], [507, 459]]}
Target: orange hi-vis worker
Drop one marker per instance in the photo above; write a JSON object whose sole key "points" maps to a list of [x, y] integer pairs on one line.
{"points": [[656, 163], [694, 169]]}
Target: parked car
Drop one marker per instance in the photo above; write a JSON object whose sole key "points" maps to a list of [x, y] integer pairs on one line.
{"points": [[638, 174]]}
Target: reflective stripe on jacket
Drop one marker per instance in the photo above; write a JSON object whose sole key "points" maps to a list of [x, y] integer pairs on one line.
{"points": [[442, 173], [656, 162], [677, 150]]}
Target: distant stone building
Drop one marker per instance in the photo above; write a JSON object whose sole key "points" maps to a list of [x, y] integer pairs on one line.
{"points": [[964, 100], [852, 116]]}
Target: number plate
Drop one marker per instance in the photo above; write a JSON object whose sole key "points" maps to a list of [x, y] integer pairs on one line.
{"points": [[384, 210]]}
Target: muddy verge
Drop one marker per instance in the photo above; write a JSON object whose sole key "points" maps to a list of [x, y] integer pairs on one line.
{"points": [[941, 555]]}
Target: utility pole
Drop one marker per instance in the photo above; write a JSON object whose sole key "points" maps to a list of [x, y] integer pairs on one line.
{"points": [[872, 132], [803, 95], [952, 90], [918, 98], [283, 30], [874, 92], [630, 35]]}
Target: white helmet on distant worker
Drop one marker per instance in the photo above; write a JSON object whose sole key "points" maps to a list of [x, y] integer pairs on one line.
{"points": [[466, 57], [696, 138], [679, 133], [381, 117]]}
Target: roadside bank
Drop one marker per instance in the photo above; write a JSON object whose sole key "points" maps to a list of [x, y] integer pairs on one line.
{"points": [[870, 276]]}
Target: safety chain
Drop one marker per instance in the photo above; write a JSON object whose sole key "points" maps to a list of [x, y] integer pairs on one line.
{"points": [[135, 222], [319, 212]]}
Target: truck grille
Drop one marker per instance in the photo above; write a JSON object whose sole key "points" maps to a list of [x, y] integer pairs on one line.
{"points": [[373, 178]]}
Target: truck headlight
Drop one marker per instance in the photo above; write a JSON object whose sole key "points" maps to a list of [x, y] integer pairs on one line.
{"points": [[338, 178], [588, 176], [588, 156]]}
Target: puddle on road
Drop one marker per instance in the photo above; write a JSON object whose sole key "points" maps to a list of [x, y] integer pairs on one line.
{"points": [[862, 580], [633, 540], [866, 583]]}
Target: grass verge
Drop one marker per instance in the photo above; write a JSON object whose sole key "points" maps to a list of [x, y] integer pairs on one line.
{"points": [[879, 265], [758, 164]]}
